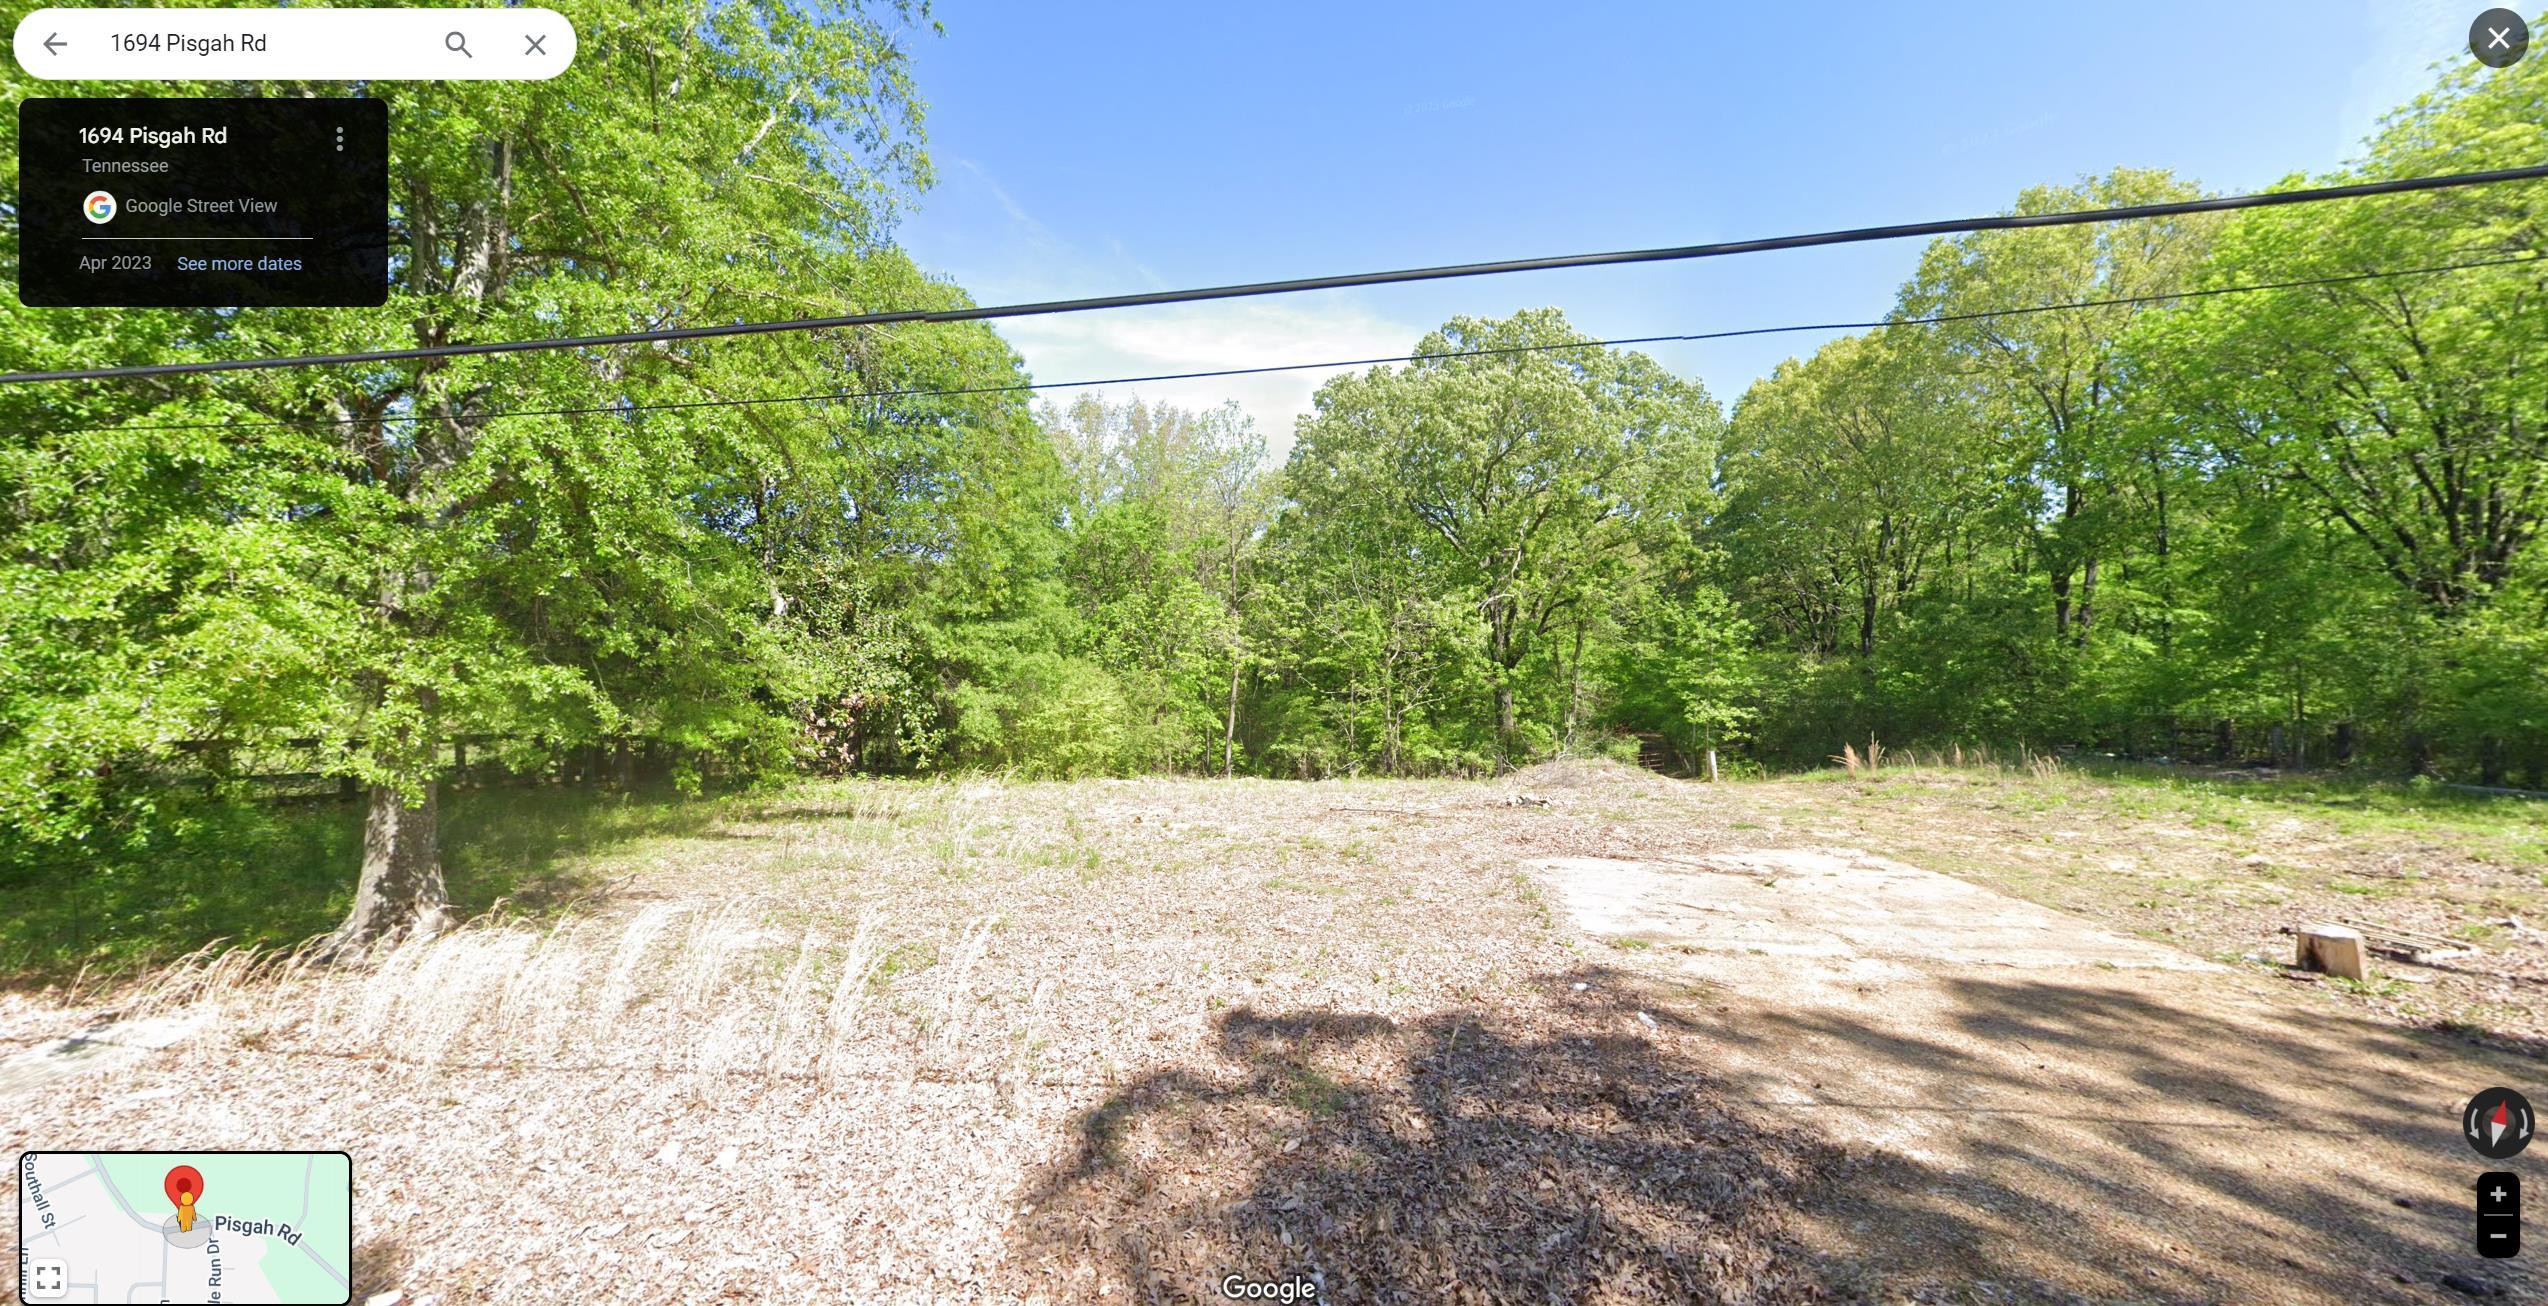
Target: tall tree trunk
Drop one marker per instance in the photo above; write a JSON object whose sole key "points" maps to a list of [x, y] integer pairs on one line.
{"points": [[1871, 585], [2087, 598], [2419, 752], [2167, 579], [1230, 723], [401, 890], [1500, 646], [1238, 649], [2066, 567], [1575, 684]]}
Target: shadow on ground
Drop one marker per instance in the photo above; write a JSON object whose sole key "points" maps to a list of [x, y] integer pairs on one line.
{"points": [[1594, 1144], [1507, 1159], [2180, 1137], [380, 1265]]}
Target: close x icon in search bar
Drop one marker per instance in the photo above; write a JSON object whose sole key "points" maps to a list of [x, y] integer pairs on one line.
{"points": [[341, 45]]}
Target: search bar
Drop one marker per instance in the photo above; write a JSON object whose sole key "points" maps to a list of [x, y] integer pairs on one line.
{"points": [[315, 45]]}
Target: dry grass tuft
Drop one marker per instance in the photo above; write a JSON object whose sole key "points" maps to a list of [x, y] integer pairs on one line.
{"points": [[1955, 757], [1857, 764], [700, 991]]}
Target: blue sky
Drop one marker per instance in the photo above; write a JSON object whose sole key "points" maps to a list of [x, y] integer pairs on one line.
{"points": [[1089, 150]]}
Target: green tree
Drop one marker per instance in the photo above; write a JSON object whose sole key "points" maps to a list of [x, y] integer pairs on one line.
{"points": [[1846, 476], [1167, 506], [396, 565], [2048, 381], [2408, 409], [1691, 667], [1510, 463]]}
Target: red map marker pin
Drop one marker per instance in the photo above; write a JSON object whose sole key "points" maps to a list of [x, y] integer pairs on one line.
{"points": [[184, 1179]]}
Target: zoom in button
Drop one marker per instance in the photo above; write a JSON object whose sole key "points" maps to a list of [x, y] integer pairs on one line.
{"points": [[2498, 1214]]}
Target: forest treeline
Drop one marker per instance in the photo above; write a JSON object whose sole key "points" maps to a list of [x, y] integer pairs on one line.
{"points": [[2311, 513], [2191, 519]]}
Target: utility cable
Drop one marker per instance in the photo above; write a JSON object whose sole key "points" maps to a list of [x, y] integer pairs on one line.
{"points": [[1934, 319], [1855, 235]]}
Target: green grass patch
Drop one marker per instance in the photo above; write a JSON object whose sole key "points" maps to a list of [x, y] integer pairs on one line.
{"points": [[1072, 853], [1313, 1092], [2500, 829], [274, 874], [901, 961], [2505, 827]]}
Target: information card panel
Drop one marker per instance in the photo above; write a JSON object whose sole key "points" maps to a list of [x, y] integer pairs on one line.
{"points": [[203, 203]]}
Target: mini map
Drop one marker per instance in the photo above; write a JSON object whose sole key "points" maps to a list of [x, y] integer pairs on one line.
{"points": [[185, 1227]]}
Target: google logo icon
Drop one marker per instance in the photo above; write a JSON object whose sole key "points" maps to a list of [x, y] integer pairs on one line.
{"points": [[99, 206]]}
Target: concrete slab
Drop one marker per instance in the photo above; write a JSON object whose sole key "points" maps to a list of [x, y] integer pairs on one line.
{"points": [[1845, 906], [118, 1044]]}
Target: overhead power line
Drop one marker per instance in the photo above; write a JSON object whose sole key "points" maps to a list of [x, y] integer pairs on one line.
{"points": [[1897, 231], [919, 392]]}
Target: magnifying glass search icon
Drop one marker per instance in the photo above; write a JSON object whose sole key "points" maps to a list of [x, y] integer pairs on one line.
{"points": [[455, 41]]}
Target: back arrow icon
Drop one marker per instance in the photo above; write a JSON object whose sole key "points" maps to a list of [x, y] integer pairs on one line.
{"points": [[53, 44]]}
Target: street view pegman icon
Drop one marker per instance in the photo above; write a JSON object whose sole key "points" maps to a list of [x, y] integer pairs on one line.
{"points": [[184, 1185], [2497, 1123]]}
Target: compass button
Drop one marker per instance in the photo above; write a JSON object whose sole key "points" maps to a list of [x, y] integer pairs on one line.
{"points": [[2497, 1124]]}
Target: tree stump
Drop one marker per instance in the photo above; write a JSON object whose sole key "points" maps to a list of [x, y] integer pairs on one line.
{"points": [[2334, 949]]}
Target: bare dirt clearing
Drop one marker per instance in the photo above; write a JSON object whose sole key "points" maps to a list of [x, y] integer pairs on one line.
{"points": [[1027, 1042]]}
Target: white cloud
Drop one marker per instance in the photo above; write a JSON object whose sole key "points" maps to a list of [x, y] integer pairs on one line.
{"points": [[1210, 337], [2407, 38], [1036, 232], [1022, 263]]}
